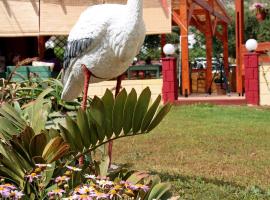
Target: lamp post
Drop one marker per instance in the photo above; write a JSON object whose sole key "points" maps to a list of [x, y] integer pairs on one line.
{"points": [[251, 62], [170, 86], [168, 49], [251, 45]]}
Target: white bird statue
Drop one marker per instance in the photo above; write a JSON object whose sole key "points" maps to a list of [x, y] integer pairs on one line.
{"points": [[101, 45]]}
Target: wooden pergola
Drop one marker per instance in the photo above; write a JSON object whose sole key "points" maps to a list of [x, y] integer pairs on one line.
{"points": [[210, 18]]}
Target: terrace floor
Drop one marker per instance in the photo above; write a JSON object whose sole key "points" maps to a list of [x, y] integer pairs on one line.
{"points": [[232, 99]]}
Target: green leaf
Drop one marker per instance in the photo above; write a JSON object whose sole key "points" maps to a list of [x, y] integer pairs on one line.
{"points": [[26, 137], [141, 109], [11, 114], [82, 122], [108, 101], [7, 129], [97, 114], [44, 93], [159, 190], [67, 137], [118, 109], [49, 174], [150, 114], [37, 144], [94, 133], [160, 115], [104, 165], [137, 177], [129, 110], [55, 149], [74, 133]]}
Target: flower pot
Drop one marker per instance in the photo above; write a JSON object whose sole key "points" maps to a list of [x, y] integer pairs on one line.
{"points": [[260, 16]]}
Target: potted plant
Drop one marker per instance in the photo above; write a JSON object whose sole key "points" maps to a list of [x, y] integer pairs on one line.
{"points": [[260, 10]]}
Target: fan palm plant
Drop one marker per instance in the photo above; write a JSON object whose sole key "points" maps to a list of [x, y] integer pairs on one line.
{"points": [[25, 141]]}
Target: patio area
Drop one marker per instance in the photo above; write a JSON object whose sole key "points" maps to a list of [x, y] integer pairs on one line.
{"points": [[232, 99]]}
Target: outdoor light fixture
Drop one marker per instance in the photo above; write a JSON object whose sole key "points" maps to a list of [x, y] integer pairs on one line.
{"points": [[168, 49], [251, 45]]}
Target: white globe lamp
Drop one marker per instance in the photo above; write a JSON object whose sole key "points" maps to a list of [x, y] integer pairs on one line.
{"points": [[168, 49], [251, 45]]}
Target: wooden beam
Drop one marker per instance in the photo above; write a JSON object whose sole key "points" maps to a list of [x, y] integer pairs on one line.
{"points": [[208, 23], [178, 20], [199, 11], [197, 24], [209, 51], [214, 27], [225, 49], [41, 46], [223, 9], [206, 6], [219, 35], [262, 47], [183, 7], [239, 31], [190, 12]]}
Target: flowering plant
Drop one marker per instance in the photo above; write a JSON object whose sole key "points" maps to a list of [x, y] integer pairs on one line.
{"points": [[91, 187], [259, 7], [260, 10]]}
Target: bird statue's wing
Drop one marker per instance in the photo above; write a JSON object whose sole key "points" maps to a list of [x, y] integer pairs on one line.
{"points": [[86, 33]]}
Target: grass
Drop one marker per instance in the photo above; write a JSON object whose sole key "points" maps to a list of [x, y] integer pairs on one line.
{"points": [[205, 149]]}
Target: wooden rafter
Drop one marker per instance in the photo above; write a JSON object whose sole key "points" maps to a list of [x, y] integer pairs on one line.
{"points": [[214, 27], [190, 12], [210, 9], [177, 19], [198, 24], [223, 9]]}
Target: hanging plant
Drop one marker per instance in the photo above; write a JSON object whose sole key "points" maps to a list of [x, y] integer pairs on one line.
{"points": [[260, 10]]}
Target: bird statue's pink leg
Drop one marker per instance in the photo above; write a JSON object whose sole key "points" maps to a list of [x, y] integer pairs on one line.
{"points": [[117, 90], [87, 75]]}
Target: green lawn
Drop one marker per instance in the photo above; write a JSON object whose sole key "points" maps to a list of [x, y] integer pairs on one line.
{"points": [[207, 152]]}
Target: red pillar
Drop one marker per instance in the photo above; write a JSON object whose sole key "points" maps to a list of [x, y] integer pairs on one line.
{"points": [[170, 86], [251, 61]]}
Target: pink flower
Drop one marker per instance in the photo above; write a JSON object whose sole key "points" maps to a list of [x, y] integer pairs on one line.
{"points": [[4, 192], [16, 194], [88, 176], [62, 179], [56, 192], [8, 186], [98, 195], [43, 165], [33, 176], [86, 190], [75, 169], [145, 188], [81, 197]]}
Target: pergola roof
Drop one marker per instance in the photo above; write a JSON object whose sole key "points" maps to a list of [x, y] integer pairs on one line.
{"points": [[198, 10], [198, 7]]}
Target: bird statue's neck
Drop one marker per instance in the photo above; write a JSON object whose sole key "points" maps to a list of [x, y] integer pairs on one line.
{"points": [[135, 9]]}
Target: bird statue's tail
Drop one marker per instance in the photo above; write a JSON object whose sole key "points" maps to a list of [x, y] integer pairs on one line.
{"points": [[72, 80]]}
